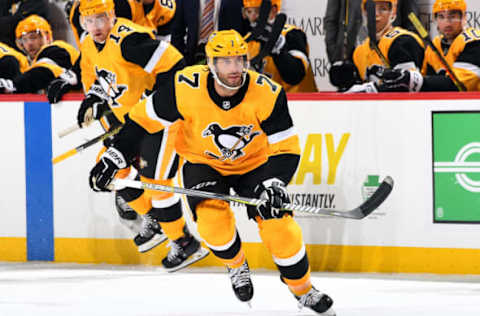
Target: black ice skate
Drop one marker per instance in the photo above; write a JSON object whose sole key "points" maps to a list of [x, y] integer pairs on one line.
{"points": [[241, 283], [317, 301], [150, 236], [184, 251]]}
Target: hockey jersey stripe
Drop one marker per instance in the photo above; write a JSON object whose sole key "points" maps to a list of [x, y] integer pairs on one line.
{"points": [[469, 67], [157, 54], [282, 135]]}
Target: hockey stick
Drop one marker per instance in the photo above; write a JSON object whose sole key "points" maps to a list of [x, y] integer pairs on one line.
{"points": [[372, 31], [359, 212], [261, 22], [75, 127], [426, 38], [277, 28], [84, 146], [345, 33]]}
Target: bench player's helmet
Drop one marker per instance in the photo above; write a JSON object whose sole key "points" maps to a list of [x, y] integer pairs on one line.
{"points": [[449, 5], [33, 24]]}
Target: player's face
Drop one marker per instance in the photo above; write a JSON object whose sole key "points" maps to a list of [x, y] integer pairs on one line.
{"points": [[383, 11], [252, 13], [32, 42], [230, 69], [449, 23], [98, 25]]}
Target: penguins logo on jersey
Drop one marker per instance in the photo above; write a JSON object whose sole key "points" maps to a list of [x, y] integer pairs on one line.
{"points": [[108, 82], [230, 141]]}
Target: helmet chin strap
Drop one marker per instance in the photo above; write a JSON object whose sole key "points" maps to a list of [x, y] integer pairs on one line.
{"points": [[224, 85]]}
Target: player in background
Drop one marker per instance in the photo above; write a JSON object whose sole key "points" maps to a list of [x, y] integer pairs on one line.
{"points": [[402, 50], [235, 132], [288, 63], [458, 44], [48, 59], [154, 14], [12, 62], [120, 61]]}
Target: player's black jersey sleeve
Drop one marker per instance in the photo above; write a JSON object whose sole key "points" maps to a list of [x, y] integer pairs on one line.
{"points": [[138, 48], [284, 165], [470, 54], [129, 139], [59, 55], [279, 120], [165, 102], [438, 83], [405, 49], [123, 9], [33, 80], [9, 67], [291, 68]]}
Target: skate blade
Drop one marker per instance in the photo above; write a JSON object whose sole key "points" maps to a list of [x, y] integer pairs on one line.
{"points": [[249, 303], [152, 243], [196, 256]]}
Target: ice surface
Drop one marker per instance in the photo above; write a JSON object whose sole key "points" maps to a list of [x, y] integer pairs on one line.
{"points": [[50, 289]]}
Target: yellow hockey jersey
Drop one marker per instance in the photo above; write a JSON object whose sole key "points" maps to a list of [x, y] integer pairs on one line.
{"points": [[462, 57], [401, 48], [232, 138], [6, 50], [161, 13], [270, 69], [121, 81]]}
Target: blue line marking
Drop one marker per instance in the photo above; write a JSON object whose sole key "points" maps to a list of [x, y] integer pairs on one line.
{"points": [[39, 181]]}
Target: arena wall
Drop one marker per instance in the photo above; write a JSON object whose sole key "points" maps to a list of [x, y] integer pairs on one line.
{"points": [[429, 224]]}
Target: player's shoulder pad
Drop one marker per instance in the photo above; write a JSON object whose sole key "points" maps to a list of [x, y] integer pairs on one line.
{"points": [[124, 28], [396, 32], [470, 34], [196, 74], [290, 27], [260, 83]]}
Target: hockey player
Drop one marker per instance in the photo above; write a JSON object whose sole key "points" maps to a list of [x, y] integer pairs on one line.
{"points": [[49, 59], [12, 62], [400, 49], [288, 63], [235, 131], [460, 47], [120, 60], [154, 14]]}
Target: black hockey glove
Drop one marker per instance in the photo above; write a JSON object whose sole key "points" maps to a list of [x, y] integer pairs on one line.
{"points": [[92, 108], [104, 171], [56, 89], [375, 73], [61, 85], [402, 80], [342, 74], [274, 194]]}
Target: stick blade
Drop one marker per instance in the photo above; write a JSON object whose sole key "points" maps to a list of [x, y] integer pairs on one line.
{"points": [[377, 198]]}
